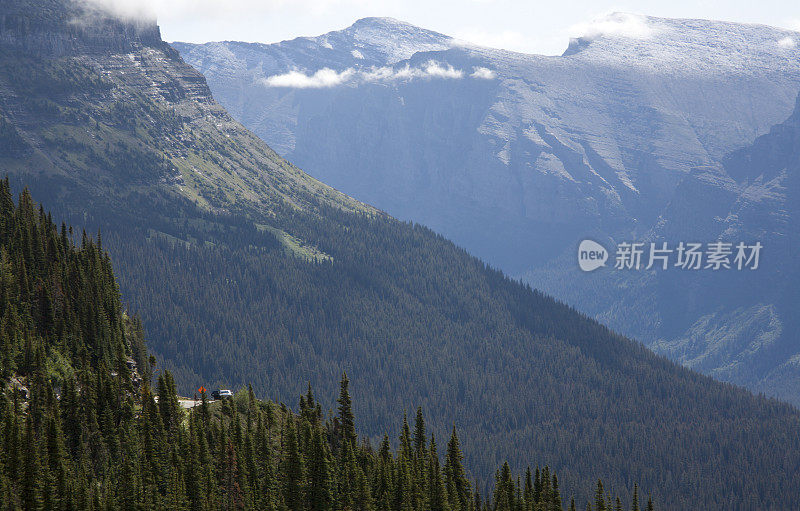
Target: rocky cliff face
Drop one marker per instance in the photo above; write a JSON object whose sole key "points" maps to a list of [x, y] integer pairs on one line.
{"points": [[62, 28]]}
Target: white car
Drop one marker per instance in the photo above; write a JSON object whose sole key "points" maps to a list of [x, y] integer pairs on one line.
{"points": [[222, 394]]}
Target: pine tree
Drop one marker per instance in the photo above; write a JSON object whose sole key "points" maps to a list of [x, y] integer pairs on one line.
{"points": [[546, 494], [556, 504], [527, 492], [31, 477], [458, 487], [420, 462], [232, 492], [504, 490], [293, 470], [266, 492], [403, 497], [419, 434], [405, 441], [437, 493], [599, 497], [363, 500], [383, 494], [346, 419], [319, 475]]}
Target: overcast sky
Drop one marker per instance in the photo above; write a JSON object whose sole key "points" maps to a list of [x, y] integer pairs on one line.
{"points": [[523, 25]]}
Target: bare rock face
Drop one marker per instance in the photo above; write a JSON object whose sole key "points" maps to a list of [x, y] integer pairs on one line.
{"points": [[60, 28]]}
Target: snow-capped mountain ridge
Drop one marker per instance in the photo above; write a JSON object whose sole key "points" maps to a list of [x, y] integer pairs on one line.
{"points": [[393, 39], [367, 42], [620, 37], [689, 45]]}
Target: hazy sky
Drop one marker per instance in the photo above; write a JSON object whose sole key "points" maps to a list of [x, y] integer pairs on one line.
{"points": [[523, 25]]}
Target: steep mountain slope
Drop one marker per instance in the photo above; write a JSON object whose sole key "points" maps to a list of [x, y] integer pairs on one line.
{"points": [[102, 69], [519, 157], [760, 201], [246, 270]]}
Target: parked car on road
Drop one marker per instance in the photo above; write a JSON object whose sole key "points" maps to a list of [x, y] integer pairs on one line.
{"points": [[221, 394]]}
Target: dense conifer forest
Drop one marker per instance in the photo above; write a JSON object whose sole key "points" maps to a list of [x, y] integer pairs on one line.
{"points": [[80, 427]]}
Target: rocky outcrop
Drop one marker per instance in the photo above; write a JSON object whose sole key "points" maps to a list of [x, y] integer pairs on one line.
{"points": [[65, 28]]}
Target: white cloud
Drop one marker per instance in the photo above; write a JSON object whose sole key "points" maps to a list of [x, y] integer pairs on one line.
{"points": [[326, 78], [435, 70], [618, 24], [321, 79], [483, 73], [788, 43], [384, 74], [125, 9], [357, 54]]}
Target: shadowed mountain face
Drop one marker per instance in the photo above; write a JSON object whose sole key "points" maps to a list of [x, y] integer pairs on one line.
{"points": [[246, 270], [738, 326], [754, 340], [519, 157]]}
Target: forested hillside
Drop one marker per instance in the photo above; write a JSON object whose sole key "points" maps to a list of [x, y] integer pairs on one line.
{"points": [[247, 271], [79, 429], [521, 162]]}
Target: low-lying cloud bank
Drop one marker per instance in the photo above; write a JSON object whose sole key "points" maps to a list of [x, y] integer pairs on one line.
{"points": [[129, 10], [326, 77]]}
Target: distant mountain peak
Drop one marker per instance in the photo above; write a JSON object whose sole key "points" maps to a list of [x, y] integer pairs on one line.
{"points": [[391, 39], [380, 21], [391, 25]]}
